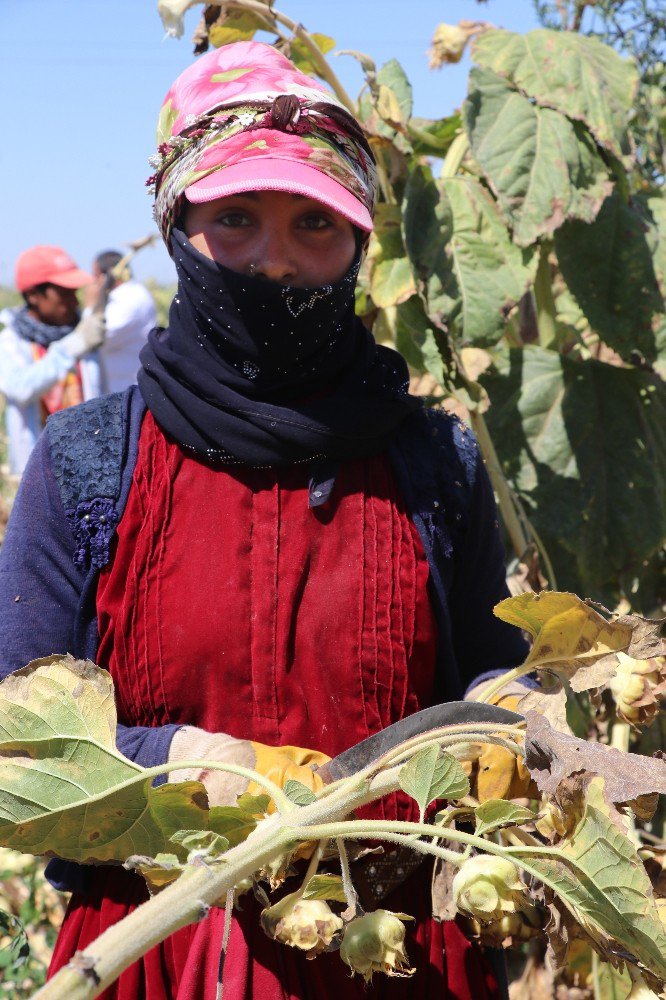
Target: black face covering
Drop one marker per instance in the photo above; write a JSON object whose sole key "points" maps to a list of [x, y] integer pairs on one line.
{"points": [[253, 372]]}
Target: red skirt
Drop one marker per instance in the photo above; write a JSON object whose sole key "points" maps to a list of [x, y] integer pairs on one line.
{"points": [[186, 965]]}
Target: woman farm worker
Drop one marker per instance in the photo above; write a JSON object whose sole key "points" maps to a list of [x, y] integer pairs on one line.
{"points": [[269, 544]]}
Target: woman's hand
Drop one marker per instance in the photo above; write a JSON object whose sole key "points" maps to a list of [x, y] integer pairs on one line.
{"points": [[279, 764], [497, 773]]}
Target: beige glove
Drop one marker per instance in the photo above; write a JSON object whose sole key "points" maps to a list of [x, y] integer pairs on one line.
{"points": [[277, 763], [86, 337]]}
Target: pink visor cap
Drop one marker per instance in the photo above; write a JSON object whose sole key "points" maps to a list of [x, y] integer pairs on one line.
{"points": [[243, 118], [273, 174]]}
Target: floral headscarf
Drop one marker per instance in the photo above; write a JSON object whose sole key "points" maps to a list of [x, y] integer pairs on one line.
{"points": [[244, 118]]}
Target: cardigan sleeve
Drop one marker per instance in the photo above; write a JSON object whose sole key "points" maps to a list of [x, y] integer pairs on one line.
{"points": [[41, 592], [484, 645]]}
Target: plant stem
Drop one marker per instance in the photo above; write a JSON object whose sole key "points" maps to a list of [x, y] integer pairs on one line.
{"points": [[505, 498], [282, 803], [455, 156], [497, 685], [544, 301]]}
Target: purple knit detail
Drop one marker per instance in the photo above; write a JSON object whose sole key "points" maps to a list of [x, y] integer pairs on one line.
{"points": [[93, 523]]}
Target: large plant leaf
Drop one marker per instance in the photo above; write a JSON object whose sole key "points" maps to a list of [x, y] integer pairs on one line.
{"points": [[584, 445], [596, 874], [543, 168], [552, 756], [609, 267], [576, 75], [470, 272], [65, 789]]}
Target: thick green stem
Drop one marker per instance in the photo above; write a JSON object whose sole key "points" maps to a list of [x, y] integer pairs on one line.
{"points": [[544, 301], [505, 499]]}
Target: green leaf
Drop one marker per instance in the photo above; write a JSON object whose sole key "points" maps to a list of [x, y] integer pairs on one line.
{"points": [[597, 875], [65, 789], [386, 238], [300, 56], [325, 887], [17, 948], [233, 823], [611, 984], [235, 26], [432, 774], [393, 76], [576, 75], [433, 138], [299, 793], [200, 843], [255, 805], [584, 446], [471, 273], [419, 340], [543, 168], [392, 282], [609, 267], [495, 814]]}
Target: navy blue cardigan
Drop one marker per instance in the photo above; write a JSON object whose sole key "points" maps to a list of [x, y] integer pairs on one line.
{"points": [[74, 491]]}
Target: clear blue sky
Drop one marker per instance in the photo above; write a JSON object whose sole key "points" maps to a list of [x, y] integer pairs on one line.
{"points": [[82, 82]]}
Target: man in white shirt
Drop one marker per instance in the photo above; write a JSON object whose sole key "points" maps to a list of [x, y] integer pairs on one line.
{"points": [[130, 315], [48, 354]]}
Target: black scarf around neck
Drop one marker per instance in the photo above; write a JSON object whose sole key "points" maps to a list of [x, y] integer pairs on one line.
{"points": [[253, 372], [30, 328]]}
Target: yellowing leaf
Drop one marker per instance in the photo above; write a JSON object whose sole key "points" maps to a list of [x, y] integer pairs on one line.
{"points": [[300, 54], [392, 282], [65, 789], [388, 106], [570, 637], [234, 26]]}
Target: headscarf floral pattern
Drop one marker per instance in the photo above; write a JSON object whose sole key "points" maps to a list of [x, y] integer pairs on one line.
{"points": [[245, 102]]}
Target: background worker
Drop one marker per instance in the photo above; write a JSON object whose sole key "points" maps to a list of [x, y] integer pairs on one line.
{"points": [[47, 351], [130, 315]]}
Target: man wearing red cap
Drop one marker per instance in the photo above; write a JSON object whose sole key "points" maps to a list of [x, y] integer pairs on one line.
{"points": [[47, 360]]}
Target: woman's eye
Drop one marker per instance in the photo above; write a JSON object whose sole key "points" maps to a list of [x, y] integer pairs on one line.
{"points": [[234, 219], [315, 221]]}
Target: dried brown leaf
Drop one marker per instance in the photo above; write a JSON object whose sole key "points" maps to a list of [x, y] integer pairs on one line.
{"points": [[551, 756]]}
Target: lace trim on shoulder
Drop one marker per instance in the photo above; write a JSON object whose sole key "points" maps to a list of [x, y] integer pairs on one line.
{"points": [[93, 523], [86, 445]]}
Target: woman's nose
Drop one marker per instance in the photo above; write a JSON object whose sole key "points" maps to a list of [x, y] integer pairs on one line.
{"points": [[275, 260]]}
